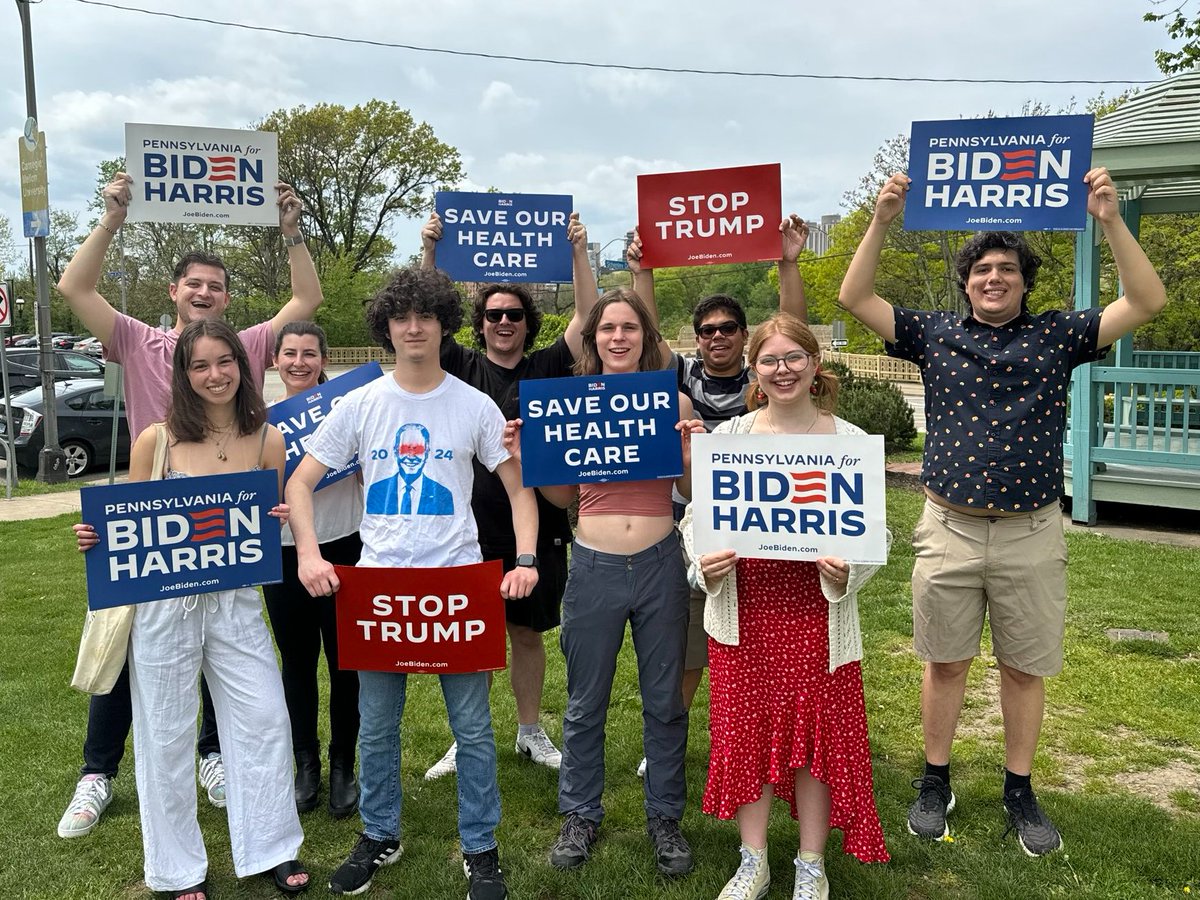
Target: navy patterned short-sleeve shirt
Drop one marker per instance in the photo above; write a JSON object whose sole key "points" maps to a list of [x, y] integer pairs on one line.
{"points": [[996, 401]]}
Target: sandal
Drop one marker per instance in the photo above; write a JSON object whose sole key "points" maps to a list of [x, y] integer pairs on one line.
{"points": [[285, 870], [201, 888]]}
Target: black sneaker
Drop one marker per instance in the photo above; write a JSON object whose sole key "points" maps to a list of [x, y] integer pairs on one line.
{"points": [[672, 855], [1035, 832], [484, 875], [574, 844], [354, 875], [927, 815]]}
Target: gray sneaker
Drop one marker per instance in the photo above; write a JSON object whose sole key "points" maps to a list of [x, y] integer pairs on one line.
{"points": [[672, 855], [927, 815], [574, 844], [93, 793], [1035, 832]]}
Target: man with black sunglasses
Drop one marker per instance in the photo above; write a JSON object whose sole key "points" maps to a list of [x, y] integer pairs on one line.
{"points": [[506, 324], [716, 380]]}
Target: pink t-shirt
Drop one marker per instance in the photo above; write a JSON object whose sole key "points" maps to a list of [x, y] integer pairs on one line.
{"points": [[146, 354]]}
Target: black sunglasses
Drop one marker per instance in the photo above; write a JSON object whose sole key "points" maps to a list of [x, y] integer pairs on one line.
{"points": [[516, 314], [726, 328]]}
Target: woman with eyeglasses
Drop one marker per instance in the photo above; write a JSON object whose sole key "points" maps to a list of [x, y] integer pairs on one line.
{"points": [[787, 712]]}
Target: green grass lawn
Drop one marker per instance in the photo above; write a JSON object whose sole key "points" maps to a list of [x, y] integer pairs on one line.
{"points": [[1119, 767]]}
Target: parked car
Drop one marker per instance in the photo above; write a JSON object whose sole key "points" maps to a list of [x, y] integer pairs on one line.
{"points": [[10, 340], [89, 346], [23, 372], [84, 426], [66, 341]]}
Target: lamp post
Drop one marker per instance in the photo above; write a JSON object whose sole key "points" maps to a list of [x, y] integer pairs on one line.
{"points": [[20, 315], [600, 253]]}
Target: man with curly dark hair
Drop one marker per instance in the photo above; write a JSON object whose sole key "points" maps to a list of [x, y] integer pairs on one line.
{"points": [[990, 542], [437, 430], [506, 324]]}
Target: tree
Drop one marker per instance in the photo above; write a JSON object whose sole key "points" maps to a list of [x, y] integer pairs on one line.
{"points": [[357, 170], [1179, 27]]}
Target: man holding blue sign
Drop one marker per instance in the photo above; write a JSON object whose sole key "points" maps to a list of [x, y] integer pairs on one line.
{"points": [[199, 290], [995, 400], [506, 324]]}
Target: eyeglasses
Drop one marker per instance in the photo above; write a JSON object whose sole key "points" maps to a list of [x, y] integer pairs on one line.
{"points": [[515, 314], [726, 328], [796, 361]]}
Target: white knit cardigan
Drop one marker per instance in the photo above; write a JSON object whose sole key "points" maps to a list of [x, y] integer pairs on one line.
{"points": [[721, 606]]}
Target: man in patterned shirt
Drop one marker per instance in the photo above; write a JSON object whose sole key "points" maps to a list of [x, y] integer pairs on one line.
{"points": [[990, 539]]}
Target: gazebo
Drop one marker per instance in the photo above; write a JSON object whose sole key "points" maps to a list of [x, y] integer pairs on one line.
{"points": [[1134, 434]]}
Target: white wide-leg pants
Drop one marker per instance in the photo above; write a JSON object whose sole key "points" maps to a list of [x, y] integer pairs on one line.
{"points": [[172, 640]]}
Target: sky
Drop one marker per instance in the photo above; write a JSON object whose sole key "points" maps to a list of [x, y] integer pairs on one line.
{"points": [[588, 132]]}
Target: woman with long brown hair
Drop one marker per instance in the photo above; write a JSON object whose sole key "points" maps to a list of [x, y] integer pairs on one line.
{"points": [[216, 425]]}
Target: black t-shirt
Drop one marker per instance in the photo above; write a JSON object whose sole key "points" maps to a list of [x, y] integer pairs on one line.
{"points": [[489, 500]]}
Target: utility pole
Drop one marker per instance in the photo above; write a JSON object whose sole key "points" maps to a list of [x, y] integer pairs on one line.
{"points": [[52, 462]]}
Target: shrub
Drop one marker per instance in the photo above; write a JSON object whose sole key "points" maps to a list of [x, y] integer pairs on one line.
{"points": [[878, 407]]}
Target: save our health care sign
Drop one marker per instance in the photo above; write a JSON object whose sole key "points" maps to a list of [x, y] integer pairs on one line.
{"points": [[711, 216], [442, 621], [181, 536], [504, 237]]}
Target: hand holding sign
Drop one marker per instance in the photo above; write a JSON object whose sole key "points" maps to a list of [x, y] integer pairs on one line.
{"points": [[117, 194], [795, 235], [633, 253], [1102, 196], [85, 537], [891, 198], [431, 233], [290, 208], [318, 576]]}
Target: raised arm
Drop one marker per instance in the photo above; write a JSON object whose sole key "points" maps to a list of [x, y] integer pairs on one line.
{"points": [[643, 286], [1144, 295], [306, 287], [584, 283], [80, 278], [858, 295], [791, 285], [688, 425], [431, 233], [317, 575]]}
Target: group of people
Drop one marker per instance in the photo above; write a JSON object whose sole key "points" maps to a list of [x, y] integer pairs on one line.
{"points": [[438, 440]]}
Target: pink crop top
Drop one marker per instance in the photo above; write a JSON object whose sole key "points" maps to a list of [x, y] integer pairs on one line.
{"points": [[626, 498]]}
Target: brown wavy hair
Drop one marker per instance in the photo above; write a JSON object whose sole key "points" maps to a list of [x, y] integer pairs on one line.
{"points": [[787, 325], [186, 417], [651, 358]]}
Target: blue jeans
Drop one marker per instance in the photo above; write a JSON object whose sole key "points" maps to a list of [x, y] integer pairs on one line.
{"points": [[381, 709]]}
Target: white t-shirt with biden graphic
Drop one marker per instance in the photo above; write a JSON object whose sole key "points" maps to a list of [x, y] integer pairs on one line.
{"points": [[416, 452]]}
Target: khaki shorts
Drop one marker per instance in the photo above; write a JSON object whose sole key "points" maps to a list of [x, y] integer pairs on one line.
{"points": [[696, 655], [1013, 569]]}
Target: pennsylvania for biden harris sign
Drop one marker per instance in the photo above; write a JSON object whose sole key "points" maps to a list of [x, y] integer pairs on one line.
{"points": [[202, 176], [181, 536], [1014, 174]]}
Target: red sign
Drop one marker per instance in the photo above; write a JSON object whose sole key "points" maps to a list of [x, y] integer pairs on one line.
{"points": [[709, 217], [440, 621]]}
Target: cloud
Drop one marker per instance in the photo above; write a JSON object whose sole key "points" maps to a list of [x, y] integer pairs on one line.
{"points": [[499, 96], [622, 88], [518, 161], [422, 78]]}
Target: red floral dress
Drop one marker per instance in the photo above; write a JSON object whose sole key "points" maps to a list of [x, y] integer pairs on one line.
{"points": [[775, 707]]}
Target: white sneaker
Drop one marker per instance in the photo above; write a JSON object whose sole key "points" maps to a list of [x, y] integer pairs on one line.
{"points": [[811, 883], [447, 765], [212, 779], [642, 768], [752, 878], [539, 748], [93, 793]]}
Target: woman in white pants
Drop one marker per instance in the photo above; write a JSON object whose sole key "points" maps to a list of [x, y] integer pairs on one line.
{"points": [[216, 424]]}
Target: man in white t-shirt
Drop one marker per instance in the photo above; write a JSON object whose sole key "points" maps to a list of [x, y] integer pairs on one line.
{"points": [[433, 425], [199, 289]]}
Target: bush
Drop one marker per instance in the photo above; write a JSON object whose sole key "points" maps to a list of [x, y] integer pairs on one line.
{"points": [[878, 407]]}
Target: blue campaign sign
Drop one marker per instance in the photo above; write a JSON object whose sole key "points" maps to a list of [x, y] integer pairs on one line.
{"points": [[600, 428], [298, 417], [504, 237], [181, 536], [1015, 174]]}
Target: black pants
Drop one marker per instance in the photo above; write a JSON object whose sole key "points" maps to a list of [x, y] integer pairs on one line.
{"points": [[110, 717], [302, 624]]}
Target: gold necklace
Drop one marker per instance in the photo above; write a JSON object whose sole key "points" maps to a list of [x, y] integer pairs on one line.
{"points": [[811, 425], [225, 433]]}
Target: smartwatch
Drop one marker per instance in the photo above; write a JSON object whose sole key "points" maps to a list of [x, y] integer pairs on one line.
{"points": [[294, 240], [527, 561]]}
